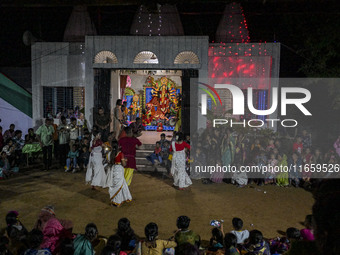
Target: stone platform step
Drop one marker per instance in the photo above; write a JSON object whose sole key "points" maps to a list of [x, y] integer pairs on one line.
{"points": [[143, 153], [147, 147], [142, 161], [149, 168]]}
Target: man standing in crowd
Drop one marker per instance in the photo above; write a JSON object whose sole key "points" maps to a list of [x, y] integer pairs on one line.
{"points": [[64, 139], [55, 140], [45, 137], [103, 120]]}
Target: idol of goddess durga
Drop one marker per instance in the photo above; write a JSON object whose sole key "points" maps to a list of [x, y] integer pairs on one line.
{"points": [[161, 99]]}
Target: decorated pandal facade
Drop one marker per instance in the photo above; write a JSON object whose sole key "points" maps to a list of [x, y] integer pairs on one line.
{"points": [[157, 103]]}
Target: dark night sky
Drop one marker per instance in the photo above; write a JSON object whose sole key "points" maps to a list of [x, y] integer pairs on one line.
{"points": [[283, 21]]}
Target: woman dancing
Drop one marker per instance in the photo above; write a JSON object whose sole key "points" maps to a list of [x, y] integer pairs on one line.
{"points": [[118, 188], [95, 173], [181, 178]]}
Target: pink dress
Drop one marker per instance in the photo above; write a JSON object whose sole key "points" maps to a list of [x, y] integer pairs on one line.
{"points": [[53, 232], [307, 234]]}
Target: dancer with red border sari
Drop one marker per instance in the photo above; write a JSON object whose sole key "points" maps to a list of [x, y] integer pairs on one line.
{"points": [[118, 188]]}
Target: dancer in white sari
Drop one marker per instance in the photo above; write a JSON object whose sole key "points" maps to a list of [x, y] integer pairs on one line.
{"points": [[118, 188], [181, 178], [95, 173]]}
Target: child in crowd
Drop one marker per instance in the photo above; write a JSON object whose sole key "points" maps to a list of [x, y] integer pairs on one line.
{"points": [[240, 234], [87, 135], [127, 235], [240, 151], [163, 139], [307, 233], [165, 154], [217, 177], [270, 146], [84, 157], [317, 157], [83, 243], [282, 177], [261, 160], [294, 165], [184, 235], [113, 246], [298, 146], [230, 242], [306, 139], [281, 245], [270, 175], [9, 149], [239, 178], [307, 159], [152, 245], [5, 167], [72, 159], [85, 142], [156, 154], [216, 241], [16, 233], [256, 245], [256, 146], [31, 136], [35, 239]]}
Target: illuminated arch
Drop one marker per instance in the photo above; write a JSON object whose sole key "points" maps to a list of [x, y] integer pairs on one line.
{"points": [[186, 57], [145, 57], [105, 57]]}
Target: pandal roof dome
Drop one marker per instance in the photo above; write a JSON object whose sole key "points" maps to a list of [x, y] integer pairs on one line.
{"points": [[164, 21], [79, 25], [233, 26]]}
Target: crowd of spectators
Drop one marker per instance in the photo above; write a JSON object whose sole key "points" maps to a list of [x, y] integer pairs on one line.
{"points": [[52, 235]]}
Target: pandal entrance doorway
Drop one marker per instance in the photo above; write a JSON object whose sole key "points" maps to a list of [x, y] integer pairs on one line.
{"points": [[153, 96]]}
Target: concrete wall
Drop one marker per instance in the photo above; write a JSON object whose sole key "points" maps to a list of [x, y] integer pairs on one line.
{"points": [[55, 64]]}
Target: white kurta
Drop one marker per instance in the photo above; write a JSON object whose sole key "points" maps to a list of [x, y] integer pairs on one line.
{"points": [[181, 178], [119, 190], [95, 173]]}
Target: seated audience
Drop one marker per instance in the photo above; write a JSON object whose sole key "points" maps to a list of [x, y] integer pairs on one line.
{"points": [[16, 233], [156, 154], [240, 234], [307, 233], [127, 235], [152, 245], [184, 235], [35, 239], [255, 245], [83, 243], [230, 243]]}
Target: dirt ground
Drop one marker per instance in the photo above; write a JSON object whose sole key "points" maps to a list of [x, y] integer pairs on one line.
{"points": [[269, 209]]}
